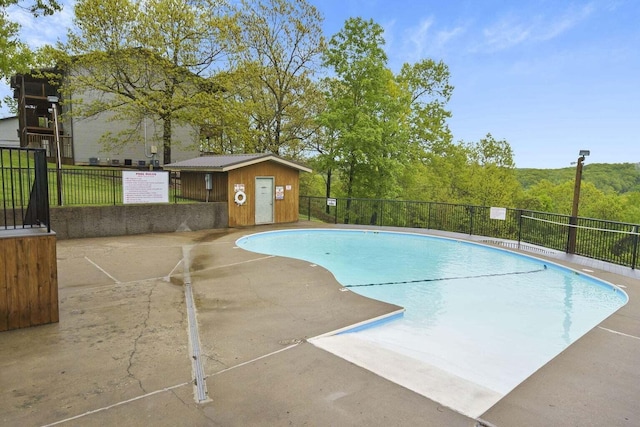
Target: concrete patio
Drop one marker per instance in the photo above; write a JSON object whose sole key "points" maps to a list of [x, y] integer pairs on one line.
{"points": [[123, 351]]}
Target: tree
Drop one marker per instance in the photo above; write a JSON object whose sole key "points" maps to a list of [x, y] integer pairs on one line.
{"points": [[272, 75], [16, 56], [359, 109], [379, 122], [631, 207], [492, 178], [440, 175], [427, 87], [139, 60]]}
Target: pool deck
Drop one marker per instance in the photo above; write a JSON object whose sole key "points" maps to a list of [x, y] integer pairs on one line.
{"points": [[126, 349]]}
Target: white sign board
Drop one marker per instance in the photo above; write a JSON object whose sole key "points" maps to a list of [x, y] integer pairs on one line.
{"points": [[145, 187], [331, 202], [498, 213]]}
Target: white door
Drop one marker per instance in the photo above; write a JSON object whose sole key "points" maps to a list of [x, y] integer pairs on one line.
{"points": [[264, 200]]}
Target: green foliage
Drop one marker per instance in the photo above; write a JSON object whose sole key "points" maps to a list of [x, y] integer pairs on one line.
{"points": [[356, 101], [630, 207], [375, 123], [16, 56], [617, 178], [608, 191], [270, 87], [492, 180]]}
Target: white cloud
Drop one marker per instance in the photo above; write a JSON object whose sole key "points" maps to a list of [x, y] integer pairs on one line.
{"points": [[388, 35], [418, 36], [569, 20], [506, 33], [425, 40], [513, 30], [444, 37], [42, 30]]}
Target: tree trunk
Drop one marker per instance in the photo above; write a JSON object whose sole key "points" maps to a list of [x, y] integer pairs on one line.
{"points": [[166, 140]]}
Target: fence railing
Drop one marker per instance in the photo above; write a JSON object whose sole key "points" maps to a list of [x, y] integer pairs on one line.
{"points": [[77, 187], [24, 194], [609, 241]]}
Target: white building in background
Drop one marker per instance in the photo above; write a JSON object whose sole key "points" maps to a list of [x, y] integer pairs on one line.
{"points": [[79, 139], [9, 136]]}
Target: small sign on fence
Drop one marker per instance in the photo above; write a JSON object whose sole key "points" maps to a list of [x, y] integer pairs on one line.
{"points": [[498, 213], [145, 187], [332, 202]]}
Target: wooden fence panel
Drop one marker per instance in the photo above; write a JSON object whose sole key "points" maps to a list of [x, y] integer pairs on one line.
{"points": [[29, 281]]}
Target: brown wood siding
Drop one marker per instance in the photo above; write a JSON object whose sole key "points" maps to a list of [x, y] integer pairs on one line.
{"points": [[28, 281], [192, 186], [285, 210]]}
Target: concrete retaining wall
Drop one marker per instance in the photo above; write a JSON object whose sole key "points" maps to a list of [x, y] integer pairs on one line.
{"points": [[104, 221]]}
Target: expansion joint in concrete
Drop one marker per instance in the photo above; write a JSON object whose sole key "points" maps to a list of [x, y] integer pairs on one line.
{"points": [[197, 362]]}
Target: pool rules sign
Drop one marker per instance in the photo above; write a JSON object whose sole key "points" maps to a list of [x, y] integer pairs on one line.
{"points": [[145, 187]]}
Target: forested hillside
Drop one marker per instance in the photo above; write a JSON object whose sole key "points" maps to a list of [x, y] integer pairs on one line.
{"points": [[619, 178]]}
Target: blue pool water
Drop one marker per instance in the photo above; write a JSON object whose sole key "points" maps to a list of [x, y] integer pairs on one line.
{"points": [[483, 314]]}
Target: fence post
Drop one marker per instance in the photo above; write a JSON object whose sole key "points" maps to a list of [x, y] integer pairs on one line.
{"points": [[175, 187], [519, 226], [573, 232], [635, 248], [471, 214], [113, 185], [429, 217], [335, 215], [308, 208]]}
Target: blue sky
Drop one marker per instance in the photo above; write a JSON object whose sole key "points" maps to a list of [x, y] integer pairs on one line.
{"points": [[550, 77]]}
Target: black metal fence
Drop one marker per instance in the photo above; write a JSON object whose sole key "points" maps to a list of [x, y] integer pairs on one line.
{"points": [[88, 186], [609, 241], [24, 195]]}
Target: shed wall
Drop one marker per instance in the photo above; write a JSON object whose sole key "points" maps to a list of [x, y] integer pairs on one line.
{"points": [[192, 186], [285, 210]]}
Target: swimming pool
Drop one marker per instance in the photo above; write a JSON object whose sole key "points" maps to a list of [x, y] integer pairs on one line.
{"points": [[477, 318]]}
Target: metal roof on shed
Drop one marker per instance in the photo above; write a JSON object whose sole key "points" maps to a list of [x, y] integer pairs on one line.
{"points": [[224, 163]]}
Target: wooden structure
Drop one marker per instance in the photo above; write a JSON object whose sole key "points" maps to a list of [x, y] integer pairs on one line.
{"points": [[38, 117], [28, 278], [258, 188]]}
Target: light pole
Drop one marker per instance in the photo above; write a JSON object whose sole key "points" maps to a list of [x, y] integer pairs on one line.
{"points": [[573, 221], [54, 109]]}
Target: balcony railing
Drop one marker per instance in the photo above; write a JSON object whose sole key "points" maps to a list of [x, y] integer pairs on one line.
{"points": [[48, 143]]}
